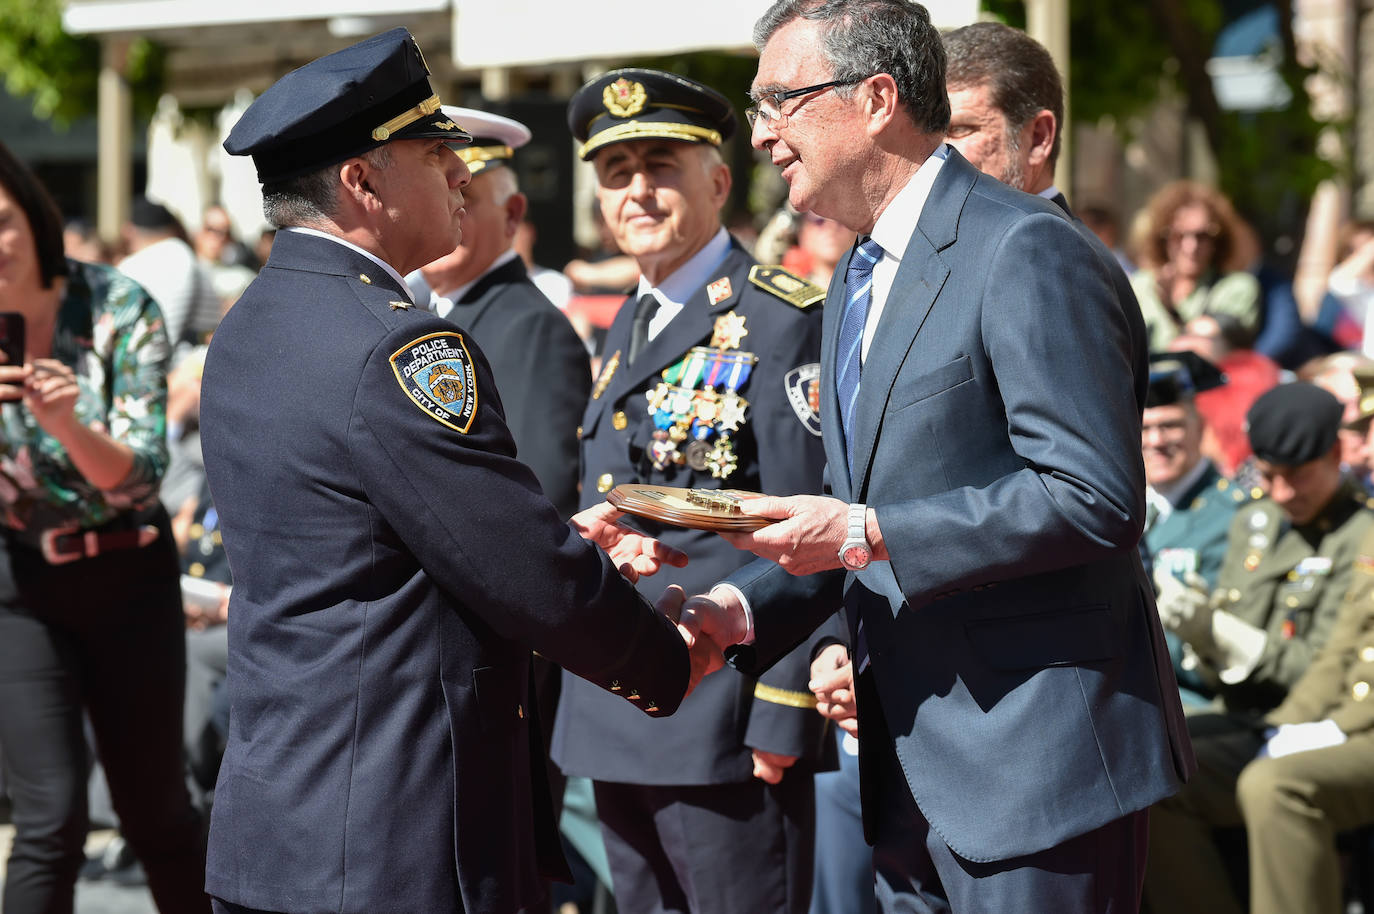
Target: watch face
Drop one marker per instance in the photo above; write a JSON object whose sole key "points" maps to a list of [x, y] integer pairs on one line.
{"points": [[855, 557]]}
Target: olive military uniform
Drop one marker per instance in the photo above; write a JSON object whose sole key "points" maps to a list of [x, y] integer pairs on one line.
{"points": [[1289, 581], [1292, 805]]}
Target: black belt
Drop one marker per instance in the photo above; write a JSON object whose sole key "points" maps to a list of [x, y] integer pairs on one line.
{"points": [[62, 546]]}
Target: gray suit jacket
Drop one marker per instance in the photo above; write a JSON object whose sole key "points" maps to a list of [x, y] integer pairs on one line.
{"points": [[1015, 647]]}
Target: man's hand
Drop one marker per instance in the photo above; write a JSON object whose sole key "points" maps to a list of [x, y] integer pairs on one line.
{"points": [[832, 682], [718, 618], [806, 537], [633, 553], [770, 766], [705, 654]]}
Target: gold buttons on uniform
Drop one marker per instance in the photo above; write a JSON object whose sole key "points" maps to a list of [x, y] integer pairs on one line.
{"points": [[196, 531], [1233, 595], [1256, 492], [1252, 562], [619, 420], [197, 570], [520, 711], [579, 433], [365, 278], [604, 483], [1367, 654], [1290, 602], [1360, 690]]}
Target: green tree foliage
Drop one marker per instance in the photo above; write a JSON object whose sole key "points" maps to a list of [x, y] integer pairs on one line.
{"points": [[1125, 57], [58, 71]]}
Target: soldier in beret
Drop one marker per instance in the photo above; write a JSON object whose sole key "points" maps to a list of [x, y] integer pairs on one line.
{"points": [[394, 564], [1288, 562], [1293, 778], [708, 381], [1189, 505]]}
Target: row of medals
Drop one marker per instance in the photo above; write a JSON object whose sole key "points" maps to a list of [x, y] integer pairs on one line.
{"points": [[697, 405]]}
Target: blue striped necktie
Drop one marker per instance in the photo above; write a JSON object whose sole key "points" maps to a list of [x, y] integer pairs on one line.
{"points": [[858, 291]]}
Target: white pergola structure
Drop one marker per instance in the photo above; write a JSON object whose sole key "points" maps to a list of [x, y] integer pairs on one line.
{"points": [[221, 48]]}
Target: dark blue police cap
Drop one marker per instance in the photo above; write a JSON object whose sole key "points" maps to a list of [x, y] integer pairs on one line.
{"points": [[634, 104], [1177, 376], [340, 106]]}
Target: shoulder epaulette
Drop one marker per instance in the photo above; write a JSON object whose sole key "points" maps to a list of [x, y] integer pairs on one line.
{"points": [[786, 285]]}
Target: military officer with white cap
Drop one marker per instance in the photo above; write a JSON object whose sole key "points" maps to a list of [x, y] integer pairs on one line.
{"points": [[394, 564], [540, 364]]}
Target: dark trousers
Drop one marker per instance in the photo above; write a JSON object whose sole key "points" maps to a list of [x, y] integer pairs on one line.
{"points": [[724, 848], [915, 872], [106, 635], [844, 861]]}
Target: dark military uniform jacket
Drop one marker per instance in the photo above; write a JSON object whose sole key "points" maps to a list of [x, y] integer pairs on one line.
{"points": [[1193, 538], [1337, 685], [776, 449], [1288, 581], [541, 368], [394, 565]]}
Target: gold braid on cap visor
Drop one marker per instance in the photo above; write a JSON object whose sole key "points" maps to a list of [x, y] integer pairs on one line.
{"points": [[477, 157], [633, 130], [424, 109]]}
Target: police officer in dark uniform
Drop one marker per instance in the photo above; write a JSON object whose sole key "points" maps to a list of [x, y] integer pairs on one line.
{"points": [[708, 381], [394, 564]]}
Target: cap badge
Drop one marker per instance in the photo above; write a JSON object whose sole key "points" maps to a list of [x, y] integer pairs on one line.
{"points": [[624, 97], [447, 125]]}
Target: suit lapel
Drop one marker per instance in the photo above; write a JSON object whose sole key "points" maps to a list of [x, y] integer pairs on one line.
{"points": [[478, 300], [919, 279]]}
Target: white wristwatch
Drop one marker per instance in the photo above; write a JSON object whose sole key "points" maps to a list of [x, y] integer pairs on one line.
{"points": [[855, 553]]}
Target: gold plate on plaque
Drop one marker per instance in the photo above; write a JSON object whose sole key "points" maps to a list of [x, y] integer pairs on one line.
{"points": [[698, 509]]}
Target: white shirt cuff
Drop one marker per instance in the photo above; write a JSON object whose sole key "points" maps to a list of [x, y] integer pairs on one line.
{"points": [[748, 613]]}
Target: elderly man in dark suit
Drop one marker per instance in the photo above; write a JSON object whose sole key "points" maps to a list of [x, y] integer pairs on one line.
{"points": [[982, 385], [394, 564]]}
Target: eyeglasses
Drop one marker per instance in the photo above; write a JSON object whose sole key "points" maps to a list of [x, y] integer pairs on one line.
{"points": [[770, 106], [1200, 235]]}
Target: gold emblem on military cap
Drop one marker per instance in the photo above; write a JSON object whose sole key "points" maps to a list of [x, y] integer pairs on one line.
{"points": [[624, 97]]}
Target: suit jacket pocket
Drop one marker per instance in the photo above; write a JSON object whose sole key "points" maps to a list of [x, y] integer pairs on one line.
{"points": [[910, 392], [1079, 635], [502, 702]]}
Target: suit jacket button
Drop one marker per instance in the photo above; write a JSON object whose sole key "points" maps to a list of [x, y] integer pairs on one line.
{"points": [[604, 483], [619, 420]]}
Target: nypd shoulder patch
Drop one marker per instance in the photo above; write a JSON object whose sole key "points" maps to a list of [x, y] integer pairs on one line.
{"points": [[437, 374]]}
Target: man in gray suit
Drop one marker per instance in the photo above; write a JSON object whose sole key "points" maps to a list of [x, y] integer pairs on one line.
{"points": [[982, 381]]}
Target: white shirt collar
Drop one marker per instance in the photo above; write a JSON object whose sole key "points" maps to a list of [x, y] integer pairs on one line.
{"points": [[368, 254], [1049, 193], [893, 232], [457, 294], [680, 285], [894, 227]]}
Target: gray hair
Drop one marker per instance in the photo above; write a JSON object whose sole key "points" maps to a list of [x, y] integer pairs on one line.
{"points": [[865, 37], [314, 196]]}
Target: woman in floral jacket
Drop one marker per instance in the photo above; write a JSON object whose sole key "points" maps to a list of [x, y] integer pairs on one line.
{"points": [[90, 609]]}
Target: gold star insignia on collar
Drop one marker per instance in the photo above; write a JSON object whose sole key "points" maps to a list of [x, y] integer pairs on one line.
{"points": [[728, 331], [400, 305]]}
